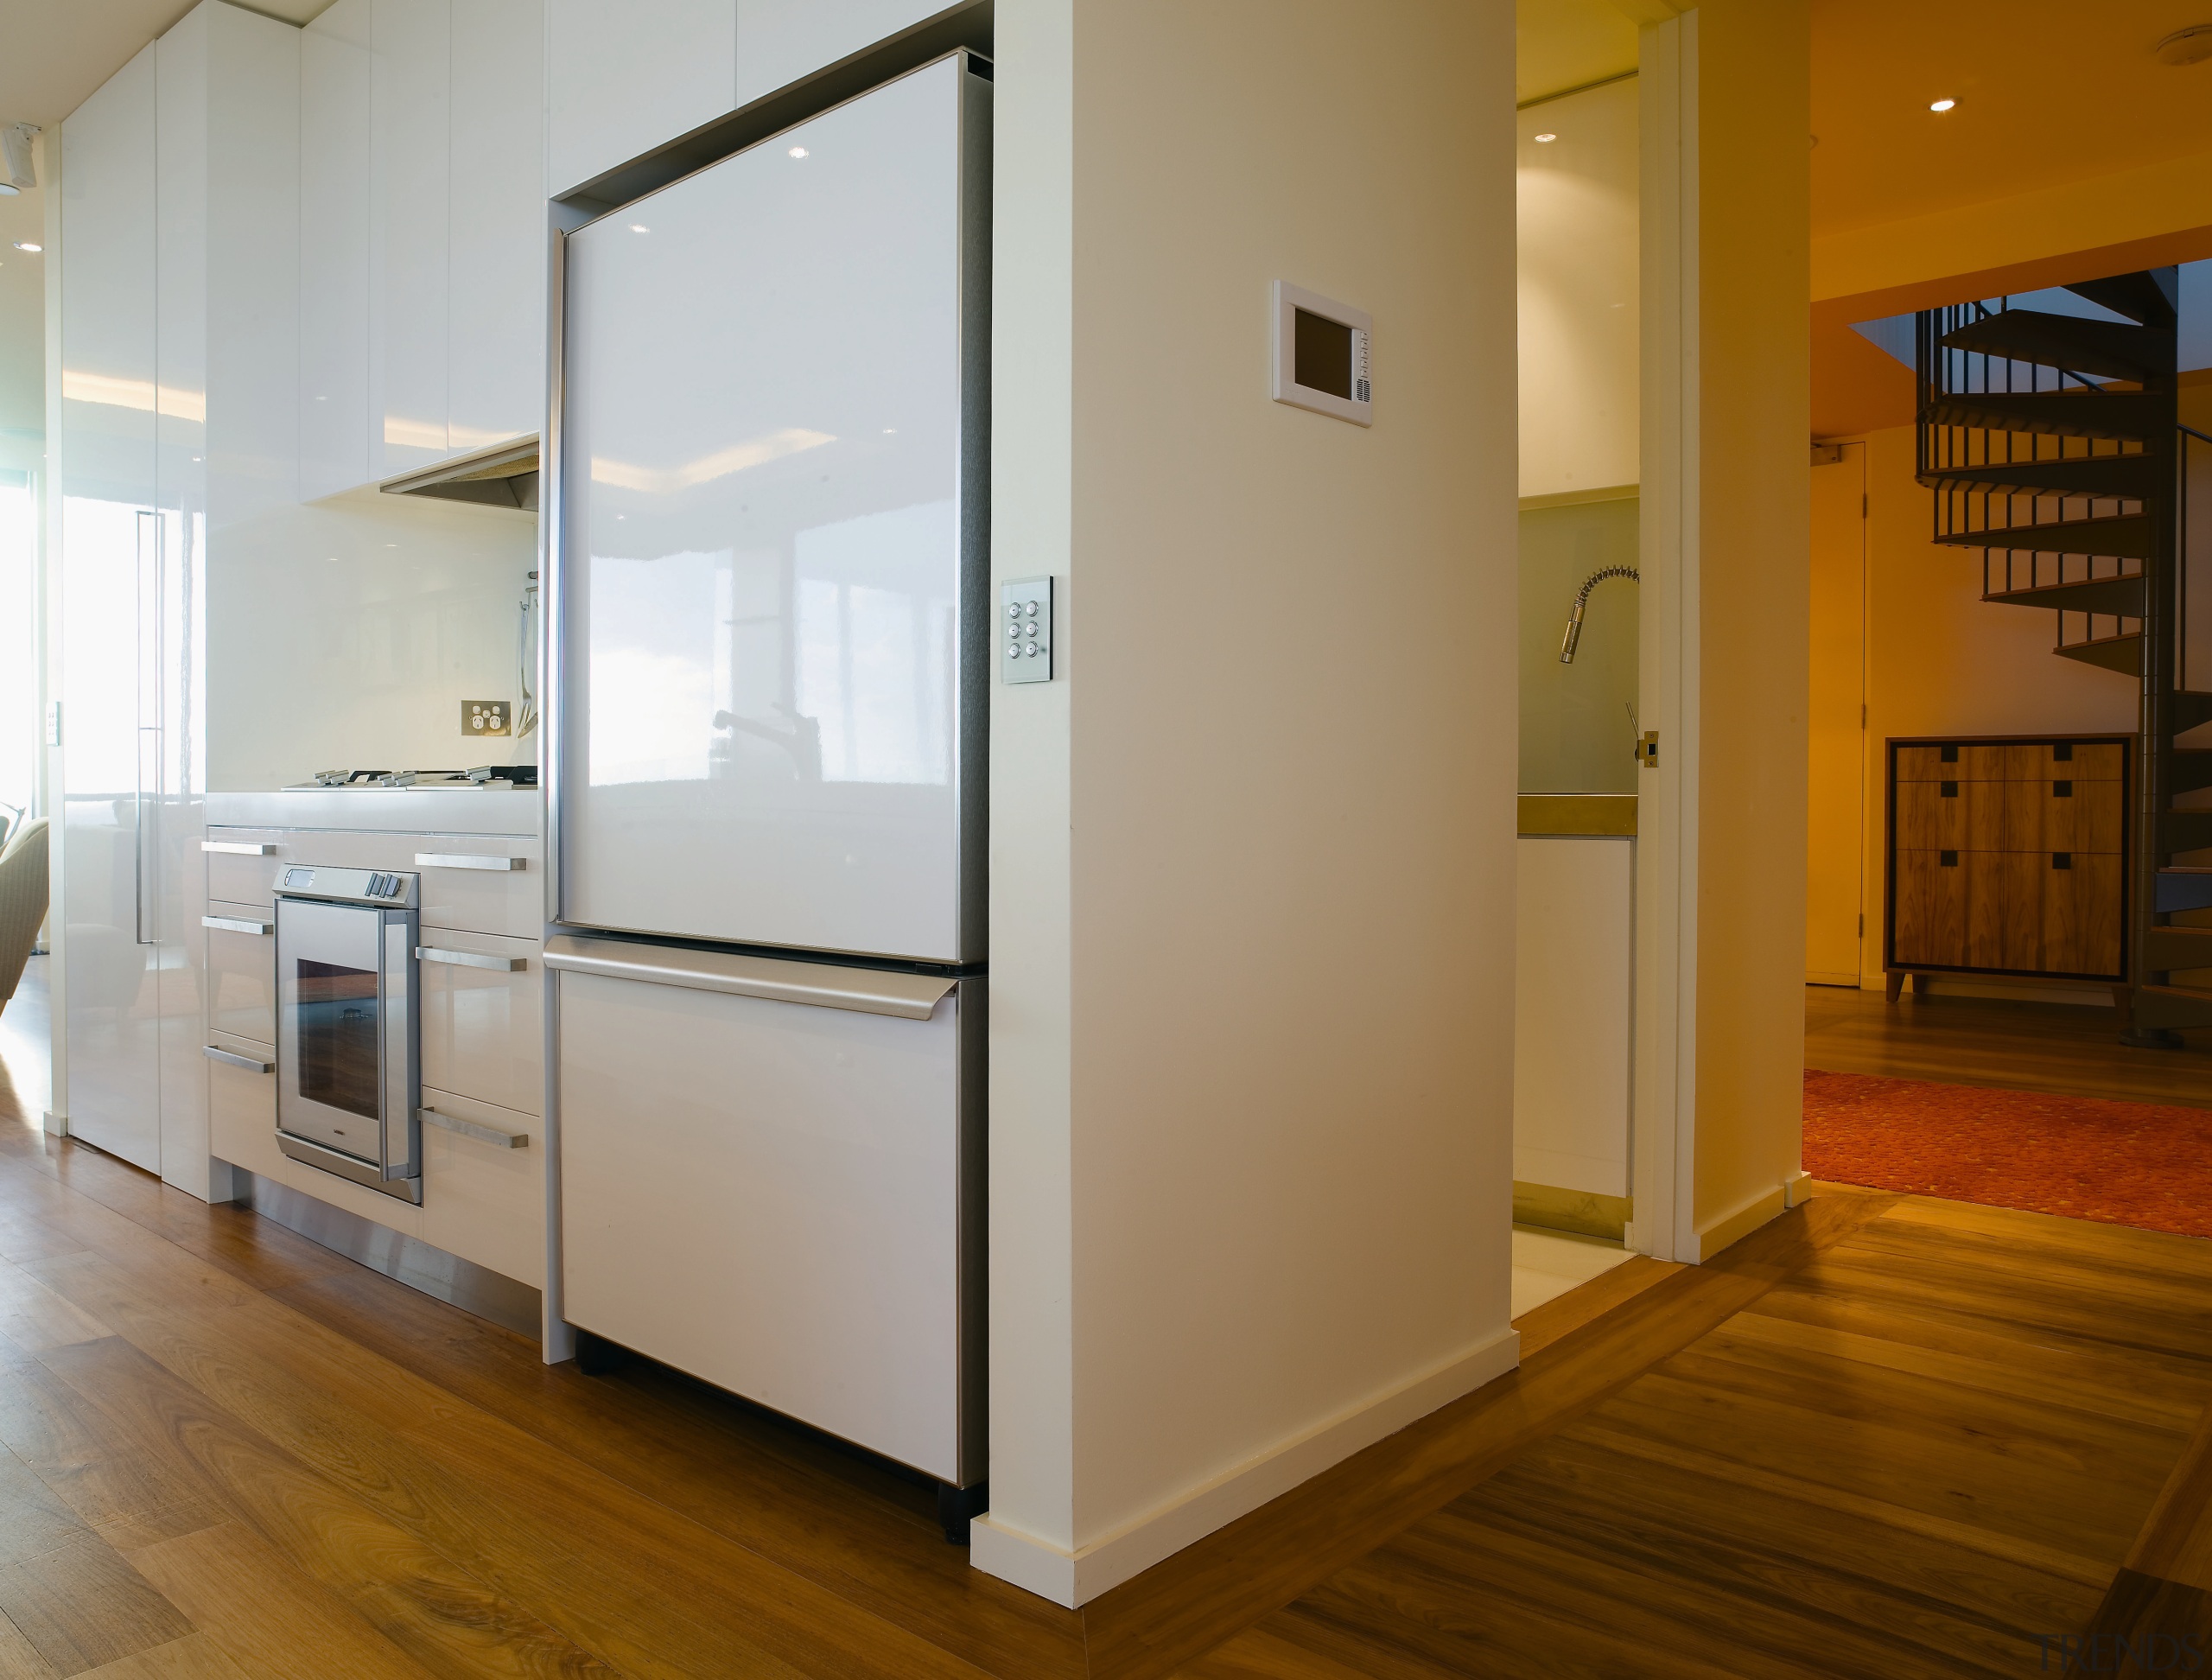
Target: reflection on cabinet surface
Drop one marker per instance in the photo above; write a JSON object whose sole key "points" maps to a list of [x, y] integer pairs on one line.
{"points": [[2008, 857]]}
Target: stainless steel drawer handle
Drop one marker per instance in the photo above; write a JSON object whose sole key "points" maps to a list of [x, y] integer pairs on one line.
{"points": [[482, 1134], [473, 959], [231, 1058], [467, 861], [238, 925], [238, 848]]}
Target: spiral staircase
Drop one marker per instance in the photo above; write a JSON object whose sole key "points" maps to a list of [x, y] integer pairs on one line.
{"points": [[2053, 445]]}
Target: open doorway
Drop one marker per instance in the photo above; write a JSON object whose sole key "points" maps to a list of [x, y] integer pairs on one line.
{"points": [[2007, 852]]}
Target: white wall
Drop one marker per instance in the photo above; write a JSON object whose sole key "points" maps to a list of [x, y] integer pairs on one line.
{"points": [[345, 635], [1252, 853], [1578, 255]]}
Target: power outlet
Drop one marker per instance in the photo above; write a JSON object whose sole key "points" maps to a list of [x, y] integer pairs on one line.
{"points": [[484, 717]]}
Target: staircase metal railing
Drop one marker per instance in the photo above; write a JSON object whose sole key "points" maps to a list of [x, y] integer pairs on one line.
{"points": [[1949, 440]]}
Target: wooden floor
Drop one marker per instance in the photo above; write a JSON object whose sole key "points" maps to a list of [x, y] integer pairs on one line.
{"points": [[2016, 1047], [1881, 1437]]}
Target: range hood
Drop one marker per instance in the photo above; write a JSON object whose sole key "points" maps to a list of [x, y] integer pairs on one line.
{"points": [[504, 476]]}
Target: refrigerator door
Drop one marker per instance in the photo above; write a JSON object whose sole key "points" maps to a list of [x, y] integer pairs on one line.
{"points": [[771, 583], [780, 1197]]}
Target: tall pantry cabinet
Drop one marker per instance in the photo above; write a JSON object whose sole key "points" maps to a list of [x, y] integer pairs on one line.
{"points": [[179, 198]]}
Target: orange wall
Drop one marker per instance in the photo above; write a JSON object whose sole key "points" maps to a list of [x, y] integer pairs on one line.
{"points": [[1939, 660]]}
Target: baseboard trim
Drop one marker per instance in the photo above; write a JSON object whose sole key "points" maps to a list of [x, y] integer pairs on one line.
{"points": [[409, 1260], [1734, 1226], [1074, 1578]]}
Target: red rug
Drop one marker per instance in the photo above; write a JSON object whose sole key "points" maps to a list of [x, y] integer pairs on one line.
{"points": [[2123, 1163]]}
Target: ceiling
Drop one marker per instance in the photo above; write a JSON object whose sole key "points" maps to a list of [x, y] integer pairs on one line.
{"points": [[2048, 91], [57, 50]]}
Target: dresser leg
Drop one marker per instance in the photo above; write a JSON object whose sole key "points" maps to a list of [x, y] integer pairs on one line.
{"points": [[1892, 983]]}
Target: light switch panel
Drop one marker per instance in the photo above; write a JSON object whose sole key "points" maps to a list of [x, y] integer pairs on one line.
{"points": [[1025, 630]]}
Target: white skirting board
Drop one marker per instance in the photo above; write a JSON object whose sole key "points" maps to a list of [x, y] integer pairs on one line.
{"points": [[1074, 1578]]}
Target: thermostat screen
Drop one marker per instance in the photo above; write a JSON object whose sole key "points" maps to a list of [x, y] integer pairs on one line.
{"points": [[1321, 354]]}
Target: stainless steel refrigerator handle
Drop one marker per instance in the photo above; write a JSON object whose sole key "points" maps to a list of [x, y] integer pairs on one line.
{"points": [[477, 1130], [467, 861], [231, 1058], [871, 991], [476, 959], [238, 925]]}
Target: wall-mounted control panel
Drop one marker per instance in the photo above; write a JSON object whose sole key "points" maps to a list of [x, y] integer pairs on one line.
{"points": [[1323, 354], [1025, 630]]}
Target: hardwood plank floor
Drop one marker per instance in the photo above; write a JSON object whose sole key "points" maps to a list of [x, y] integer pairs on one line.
{"points": [[1880, 1435], [2071, 1051], [1926, 1448]]}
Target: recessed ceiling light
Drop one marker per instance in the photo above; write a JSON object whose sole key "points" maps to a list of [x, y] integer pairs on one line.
{"points": [[1546, 139], [28, 244], [1942, 104], [639, 228], [2190, 46], [9, 189], [799, 152]]}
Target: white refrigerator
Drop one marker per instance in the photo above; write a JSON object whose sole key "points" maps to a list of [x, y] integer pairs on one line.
{"points": [[769, 644]]}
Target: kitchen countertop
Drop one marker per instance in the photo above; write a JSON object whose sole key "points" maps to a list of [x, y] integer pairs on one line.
{"points": [[385, 810]]}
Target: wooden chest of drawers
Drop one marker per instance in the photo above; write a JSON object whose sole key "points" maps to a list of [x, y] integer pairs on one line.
{"points": [[2008, 855]]}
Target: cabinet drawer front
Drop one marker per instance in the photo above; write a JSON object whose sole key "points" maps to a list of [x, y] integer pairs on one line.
{"points": [[462, 888], [2080, 915], [242, 1110], [482, 1201], [483, 1025], [246, 878], [241, 972], [2093, 760], [1925, 764], [1950, 815], [2063, 815], [1929, 914]]}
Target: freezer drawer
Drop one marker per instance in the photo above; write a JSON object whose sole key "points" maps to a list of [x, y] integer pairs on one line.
{"points": [[771, 1195]]}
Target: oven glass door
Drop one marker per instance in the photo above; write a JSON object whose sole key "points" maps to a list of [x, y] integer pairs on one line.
{"points": [[331, 1002]]}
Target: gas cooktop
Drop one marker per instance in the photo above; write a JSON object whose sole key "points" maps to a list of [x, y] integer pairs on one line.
{"points": [[496, 777]]}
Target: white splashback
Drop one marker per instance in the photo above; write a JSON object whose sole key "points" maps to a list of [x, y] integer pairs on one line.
{"points": [[345, 633]]}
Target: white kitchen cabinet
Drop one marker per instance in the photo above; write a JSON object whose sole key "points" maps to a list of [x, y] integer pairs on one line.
{"points": [[411, 114], [334, 146], [424, 235], [241, 1107], [622, 80], [111, 593], [1572, 1020], [498, 239], [180, 258], [781, 41]]}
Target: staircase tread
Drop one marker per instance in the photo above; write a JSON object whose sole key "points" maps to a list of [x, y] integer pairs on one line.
{"points": [[2115, 348]]}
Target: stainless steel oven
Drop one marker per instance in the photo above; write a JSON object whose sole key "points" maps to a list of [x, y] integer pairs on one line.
{"points": [[348, 1043]]}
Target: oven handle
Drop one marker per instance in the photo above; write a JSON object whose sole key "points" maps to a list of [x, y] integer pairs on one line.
{"points": [[476, 1129], [472, 960]]}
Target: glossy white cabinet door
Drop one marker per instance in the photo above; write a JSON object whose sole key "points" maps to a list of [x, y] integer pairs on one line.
{"points": [[764, 584], [334, 175], [766, 1195], [112, 544], [409, 118], [483, 1022], [623, 80], [496, 323]]}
